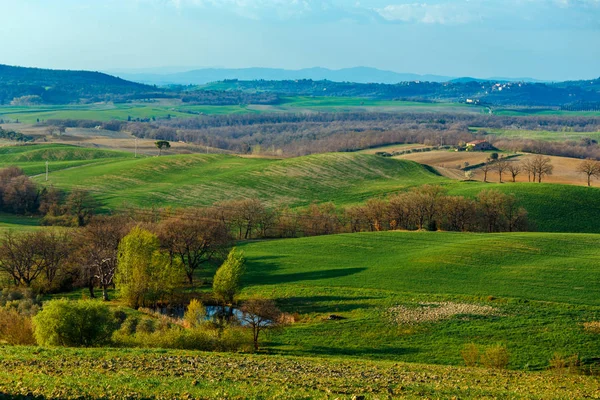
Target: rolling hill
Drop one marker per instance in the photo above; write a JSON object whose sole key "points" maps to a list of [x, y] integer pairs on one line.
{"points": [[116, 178], [44, 86]]}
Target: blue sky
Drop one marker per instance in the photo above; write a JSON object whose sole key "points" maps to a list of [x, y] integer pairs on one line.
{"points": [[545, 39]]}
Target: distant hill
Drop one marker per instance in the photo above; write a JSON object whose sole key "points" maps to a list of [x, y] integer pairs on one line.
{"points": [[523, 94], [207, 75], [24, 86]]}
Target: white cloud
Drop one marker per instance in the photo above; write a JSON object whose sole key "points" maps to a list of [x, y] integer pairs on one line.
{"points": [[446, 13]]}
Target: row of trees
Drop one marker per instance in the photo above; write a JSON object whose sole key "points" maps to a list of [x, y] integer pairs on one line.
{"points": [[536, 168]]}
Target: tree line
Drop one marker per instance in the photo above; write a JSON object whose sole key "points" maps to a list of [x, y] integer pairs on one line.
{"points": [[188, 240]]}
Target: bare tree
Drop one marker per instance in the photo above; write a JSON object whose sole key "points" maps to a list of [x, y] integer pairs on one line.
{"points": [[485, 168], [542, 166], [591, 168], [515, 169], [259, 315], [500, 166], [27, 256], [528, 167], [194, 238], [98, 245]]}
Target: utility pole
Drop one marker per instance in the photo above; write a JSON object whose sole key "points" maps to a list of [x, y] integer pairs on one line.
{"points": [[46, 171]]}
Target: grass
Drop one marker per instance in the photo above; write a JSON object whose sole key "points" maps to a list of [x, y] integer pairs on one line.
{"points": [[111, 373], [544, 112], [538, 134], [116, 178], [106, 112], [32, 158], [541, 287], [17, 223], [205, 179]]}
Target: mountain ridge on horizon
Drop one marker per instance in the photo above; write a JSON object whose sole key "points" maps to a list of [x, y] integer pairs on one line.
{"points": [[201, 76]]}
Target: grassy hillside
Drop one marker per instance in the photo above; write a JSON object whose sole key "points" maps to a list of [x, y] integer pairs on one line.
{"points": [[177, 374], [32, 158], [205, 179], [538, 290], [344, 178]]}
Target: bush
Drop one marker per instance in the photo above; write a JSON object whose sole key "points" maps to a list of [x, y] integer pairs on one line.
{"points": [[470, 354], [195, 314], [15, 328], [562, 364], [82, 323], [176, 337], [495, 357]]}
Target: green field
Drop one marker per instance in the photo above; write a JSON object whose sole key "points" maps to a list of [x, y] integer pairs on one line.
{"points": [[18, 223], [106, 112], [538, 135], [542, 287], [204, 179], [544, 112], [117, 178]]}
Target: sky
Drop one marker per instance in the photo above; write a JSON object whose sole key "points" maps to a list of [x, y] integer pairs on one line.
{"points": [[543, 39]]}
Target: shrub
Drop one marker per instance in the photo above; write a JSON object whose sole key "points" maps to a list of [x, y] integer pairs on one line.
{"points": [[15, 328], [73, 323], [495, 357], [195, 314], [592, 327], [470, 354], [562, 364]]}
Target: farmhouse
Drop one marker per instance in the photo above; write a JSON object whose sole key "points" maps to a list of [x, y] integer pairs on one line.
{"points": [[479, 145]]}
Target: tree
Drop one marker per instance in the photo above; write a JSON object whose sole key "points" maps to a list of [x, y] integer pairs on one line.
{"points": [[501, 166], [144, 274], [260, 315], [485, 168], [193, 238], [590, 168], [459, 213], [18, 258], [80, 204], [530, 169], [494, 156], [542, 166], [160, 144], [514, 169], [98, 249], [491, 203], [82, 323], [27, 256], [227, 282]]}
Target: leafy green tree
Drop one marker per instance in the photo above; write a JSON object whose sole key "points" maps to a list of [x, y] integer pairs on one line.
{"points": [[82, 323], [195, 314], [144, 274], [160, 144], [227, 282]]}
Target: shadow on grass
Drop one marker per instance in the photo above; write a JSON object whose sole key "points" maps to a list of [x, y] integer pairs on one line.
{"points": [[261, 271], [314, 304]]}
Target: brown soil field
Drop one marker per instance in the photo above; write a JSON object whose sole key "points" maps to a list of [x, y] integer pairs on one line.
{"points": [[447, 163]]}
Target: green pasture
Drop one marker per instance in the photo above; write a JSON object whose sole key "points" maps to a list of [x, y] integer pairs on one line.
{"points": [[205, 179], [524, 112], [538, 135], [343, 178], [542, 288]]}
